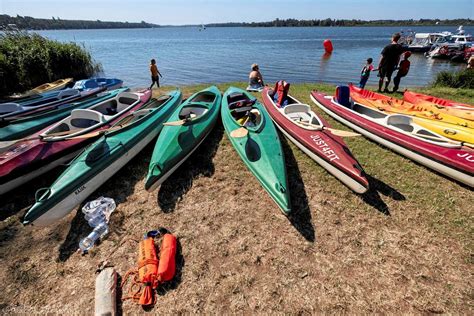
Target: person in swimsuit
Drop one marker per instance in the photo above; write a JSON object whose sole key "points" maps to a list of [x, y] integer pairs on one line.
{"points": [[255, 78], [154, 74]]}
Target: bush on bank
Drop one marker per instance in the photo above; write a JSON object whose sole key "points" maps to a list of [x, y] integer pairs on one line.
{"points": [[459, 79], [28, 60]]}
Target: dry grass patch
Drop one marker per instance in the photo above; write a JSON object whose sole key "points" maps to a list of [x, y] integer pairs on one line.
{"points": [[406, 246]]}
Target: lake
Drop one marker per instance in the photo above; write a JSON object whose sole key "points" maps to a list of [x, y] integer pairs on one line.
{"points": [[186, 55]]}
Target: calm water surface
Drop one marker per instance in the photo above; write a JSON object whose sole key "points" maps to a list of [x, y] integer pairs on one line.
{"points": [[187, 56]]}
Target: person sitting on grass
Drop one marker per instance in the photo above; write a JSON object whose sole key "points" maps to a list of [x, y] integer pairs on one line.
{"points": [[403, 69], [154, 74], [365, 73], [255, 79]]}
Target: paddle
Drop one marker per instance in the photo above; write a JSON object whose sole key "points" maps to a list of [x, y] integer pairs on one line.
{"points": [[9, 143], [449, 141], [336, 132], [97, 133], [241, 131], [181, 122]]}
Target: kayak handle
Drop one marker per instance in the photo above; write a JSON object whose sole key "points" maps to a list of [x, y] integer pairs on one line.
{"points": [[40, 193]]}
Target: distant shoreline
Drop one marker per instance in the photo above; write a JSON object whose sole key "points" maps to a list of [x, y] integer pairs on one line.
{"points": [[29, 23]]}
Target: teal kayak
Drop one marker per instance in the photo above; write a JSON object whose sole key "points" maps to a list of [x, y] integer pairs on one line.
{"points": [[259, 147], [101, 160], [190, 124], [25, 126]]}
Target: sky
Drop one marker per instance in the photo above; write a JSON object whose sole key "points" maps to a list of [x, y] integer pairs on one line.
{"points": [[179, 12]]}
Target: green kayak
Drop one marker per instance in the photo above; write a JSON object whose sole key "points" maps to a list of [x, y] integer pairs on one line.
{"points": [[25, 126], [188, 126], [259, 145], [101, 160]]}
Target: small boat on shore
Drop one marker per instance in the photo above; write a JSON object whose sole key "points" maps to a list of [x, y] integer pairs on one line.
{"points": [[253, 135], [311, 133], [45, 87], [21, 161], [46, 101], [182, 134], [101, 160], [401, 134], [450, 126], [25, 126]]}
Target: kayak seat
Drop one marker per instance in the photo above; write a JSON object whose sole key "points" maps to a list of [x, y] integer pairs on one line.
{"points": [[83, 118], [204, 97], [10, 107], [402, 122]]}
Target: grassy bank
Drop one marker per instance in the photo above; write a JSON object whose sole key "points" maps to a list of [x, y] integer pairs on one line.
{"points": [[405, 246], [28, 60]]}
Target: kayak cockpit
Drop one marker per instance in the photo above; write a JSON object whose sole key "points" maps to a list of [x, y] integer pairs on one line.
{"points": [[243, 110], [85, 120], [302, 114], [192, 111]]}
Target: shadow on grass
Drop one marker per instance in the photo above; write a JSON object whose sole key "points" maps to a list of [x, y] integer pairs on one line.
{"points": [[119, 187], [199, 163], [300, 216], [372, 196]]}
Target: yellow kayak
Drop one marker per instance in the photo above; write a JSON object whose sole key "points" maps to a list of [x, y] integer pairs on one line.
{"points": [[402, 107], [454, 132], [458, 132], [52, 86], [467, 114]]}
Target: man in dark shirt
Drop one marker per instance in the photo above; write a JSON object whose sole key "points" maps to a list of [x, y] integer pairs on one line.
{"points": [[389, 61]]}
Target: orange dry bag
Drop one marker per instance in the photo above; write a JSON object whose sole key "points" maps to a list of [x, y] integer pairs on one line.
{"points": [[147, 269], [167, 267], [151, 271]]}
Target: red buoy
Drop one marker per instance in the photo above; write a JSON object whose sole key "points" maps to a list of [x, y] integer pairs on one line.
{"points": [[328, 46]]}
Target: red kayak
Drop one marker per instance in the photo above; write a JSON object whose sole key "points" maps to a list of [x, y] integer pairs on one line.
{"points": [[414, 97], [304, 128], [30, 158], [399, 133]]}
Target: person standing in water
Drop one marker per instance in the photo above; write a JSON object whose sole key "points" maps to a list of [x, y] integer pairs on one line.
{"points": [[154, 74]]}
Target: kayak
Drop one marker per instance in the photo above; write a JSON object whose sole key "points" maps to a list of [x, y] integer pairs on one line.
{"points": [[401, 134], [414, 97], [194, 119], [260, 149], [45, 87], [393, 105], [82, 89], [101, 160], [109, 83], [21, 161], [52, 86], [25, 126], [448, 125], [304, 128]]}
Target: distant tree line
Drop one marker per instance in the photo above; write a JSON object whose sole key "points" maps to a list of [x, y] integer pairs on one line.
{"points": [[338, 22], [29, 23]]}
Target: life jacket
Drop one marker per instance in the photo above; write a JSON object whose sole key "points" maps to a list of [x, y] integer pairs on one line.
{"points": [[280, 92], [151, 271]]}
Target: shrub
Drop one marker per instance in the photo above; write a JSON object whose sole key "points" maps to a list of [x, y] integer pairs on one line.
{"points": [[28, 60], [459, 79]]}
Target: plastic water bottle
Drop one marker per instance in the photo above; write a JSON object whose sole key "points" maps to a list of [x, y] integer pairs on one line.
{"points": [[98, 211], [99, 231]]}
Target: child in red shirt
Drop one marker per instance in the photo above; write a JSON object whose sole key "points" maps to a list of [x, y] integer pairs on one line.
{"points": [[403, 69]]}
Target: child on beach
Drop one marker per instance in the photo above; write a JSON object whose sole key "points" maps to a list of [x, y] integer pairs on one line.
{"points": [[154, 74], [403, 69], [365, 73]]}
